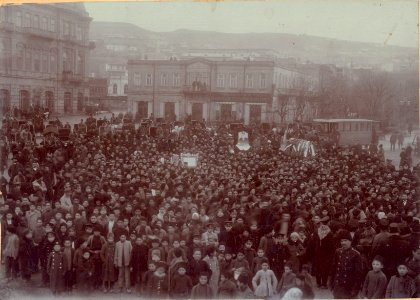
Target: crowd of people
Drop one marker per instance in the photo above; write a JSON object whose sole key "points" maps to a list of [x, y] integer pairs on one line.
{"points": [[113, 213]]}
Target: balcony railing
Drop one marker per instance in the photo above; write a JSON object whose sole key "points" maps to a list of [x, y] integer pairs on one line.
{"points": [[71, 78], [39, 32], [8, 26]]}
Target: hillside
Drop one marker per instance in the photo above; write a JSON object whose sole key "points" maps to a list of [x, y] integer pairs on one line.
{"points": [[317, 49]]}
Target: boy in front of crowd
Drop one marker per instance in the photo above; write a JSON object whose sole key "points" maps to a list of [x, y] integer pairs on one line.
{"points": [[374, 286], [202, 289], [181, 283], [401, 285]]}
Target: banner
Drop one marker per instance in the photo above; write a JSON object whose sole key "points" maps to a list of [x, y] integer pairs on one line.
{"points": [[243, 142], [175, 159], [189, 160], [302, 147]]}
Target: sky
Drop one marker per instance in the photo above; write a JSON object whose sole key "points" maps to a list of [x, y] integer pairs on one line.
{"points": [[394, 22]]}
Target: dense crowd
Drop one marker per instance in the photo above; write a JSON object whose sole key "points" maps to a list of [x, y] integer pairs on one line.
{"points": [[112, 212]]}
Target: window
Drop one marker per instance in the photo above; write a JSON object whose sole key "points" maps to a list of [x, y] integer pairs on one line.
{"points": [[249, 81], [19, 19], [2, 14], [44, 23], [262, 81], [115, 89], [27, 20], [79, 63], [220, 80], [233, 80], [163, 79], [137, 79], [68, 59], [45, 62], [149, 79], [52, 25], [36, 22], [53, 61], [78, 33], [28, 59], [20, 52], [66, 28], [37, 61], [125, 88], [177, 81]]}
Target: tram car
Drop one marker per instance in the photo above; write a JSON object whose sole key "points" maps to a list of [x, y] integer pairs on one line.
{"points": [[348, 131]]}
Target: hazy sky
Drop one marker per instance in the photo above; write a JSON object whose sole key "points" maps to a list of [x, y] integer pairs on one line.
{"points": [[356, 20]]}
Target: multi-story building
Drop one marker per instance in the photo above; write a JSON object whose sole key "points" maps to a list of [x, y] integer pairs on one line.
{"points": [[205, 89], [117, 79], [98, 90], [44, 52], [229, 90]]}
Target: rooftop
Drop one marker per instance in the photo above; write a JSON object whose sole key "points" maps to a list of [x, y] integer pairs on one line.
{"points": [[342, 120]]}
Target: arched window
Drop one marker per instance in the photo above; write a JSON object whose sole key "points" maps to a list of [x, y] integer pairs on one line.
{"points": [[125, 88], [114, 89], [28, 59], [20, 53], [53, 61]]}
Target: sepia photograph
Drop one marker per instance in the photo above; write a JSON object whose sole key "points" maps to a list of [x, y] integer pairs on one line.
{"points": [[209, 150]]}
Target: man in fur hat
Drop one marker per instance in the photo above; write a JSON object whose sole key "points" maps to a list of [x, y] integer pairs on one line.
{"points": [[346, 271]]}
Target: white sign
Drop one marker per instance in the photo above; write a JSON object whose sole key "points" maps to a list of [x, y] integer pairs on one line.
{"points": [[243, 142], [189, 160]]}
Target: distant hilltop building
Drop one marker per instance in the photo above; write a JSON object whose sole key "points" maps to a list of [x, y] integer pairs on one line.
{"points": [[44, 55], [230, 54]]}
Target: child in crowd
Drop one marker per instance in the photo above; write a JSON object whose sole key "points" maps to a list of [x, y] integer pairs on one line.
{"points": [[10, 252], [122, 259], [227, 287], [56, 267], [374, 286], [85, 269], [108, 268], [181, 283], [257, 261], [202, 289], [68, 253], [264, 281], [400, 285], [157, 285], [287, 279]]}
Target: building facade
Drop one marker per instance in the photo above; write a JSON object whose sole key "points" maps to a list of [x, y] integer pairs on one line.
{"points": [[212, 90], [98, 90], [44, 51], [117, 79]]}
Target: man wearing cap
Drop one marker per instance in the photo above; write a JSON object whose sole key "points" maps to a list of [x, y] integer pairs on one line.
{"points": [[346, 271], [393, 250]]}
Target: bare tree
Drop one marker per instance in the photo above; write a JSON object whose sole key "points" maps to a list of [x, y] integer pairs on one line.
{"points": [[375, 93], [301, 87], [283, 105]]}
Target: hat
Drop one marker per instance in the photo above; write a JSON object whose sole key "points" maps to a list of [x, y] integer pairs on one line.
{"points": [[88, 225], [162, 264], [381, 215], [183, 265], [96, 228], [379, 259], [344, 235], [57, 243], [394, 228]]}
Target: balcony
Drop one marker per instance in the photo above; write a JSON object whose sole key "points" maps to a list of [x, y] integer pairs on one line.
{"points": [[196, 89], [74, 79], [39, 33], [7, 26]]}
